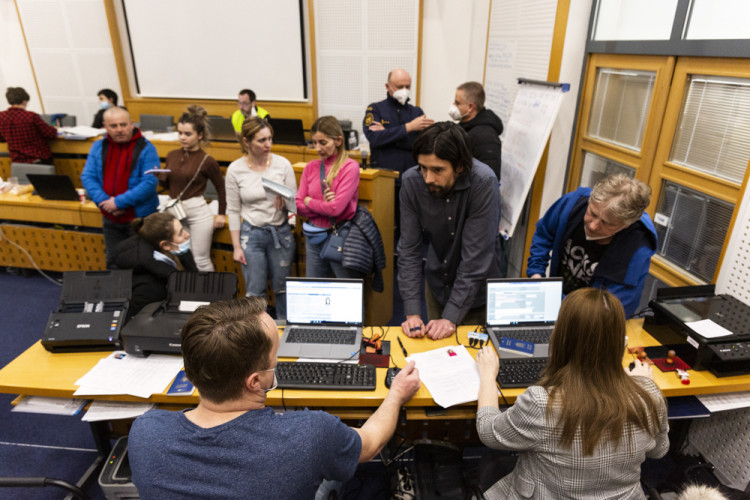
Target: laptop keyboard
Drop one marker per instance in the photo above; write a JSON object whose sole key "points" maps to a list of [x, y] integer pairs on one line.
{"points": [[336, 376], [520, 372], [321, 336], [533, 335]]}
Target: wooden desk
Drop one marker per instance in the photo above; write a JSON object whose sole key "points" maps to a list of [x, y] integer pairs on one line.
{"points": [[38, 372]]}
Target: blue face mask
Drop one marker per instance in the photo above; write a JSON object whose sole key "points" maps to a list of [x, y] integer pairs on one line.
{"points": [[181, 248], [104, 104]]}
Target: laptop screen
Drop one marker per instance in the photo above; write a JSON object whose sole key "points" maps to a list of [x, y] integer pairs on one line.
{"points": [[324, 301], [522, 301]]}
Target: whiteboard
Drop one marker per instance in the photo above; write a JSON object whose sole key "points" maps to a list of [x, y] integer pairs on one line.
{"points": [[524, 140], [211, 50]]}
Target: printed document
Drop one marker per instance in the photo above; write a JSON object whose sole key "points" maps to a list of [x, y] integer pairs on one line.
{"points": [[449, 373]]}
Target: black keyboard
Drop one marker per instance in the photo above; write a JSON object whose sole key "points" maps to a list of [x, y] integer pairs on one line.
{"points": [[533, 335], [336, 376], [321, 336], [520, 372]]}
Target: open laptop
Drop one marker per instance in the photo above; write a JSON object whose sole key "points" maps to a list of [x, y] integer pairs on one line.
{"points": [[222, 129], [523, 309], [321, 313], [53, 187], [288, 131]]}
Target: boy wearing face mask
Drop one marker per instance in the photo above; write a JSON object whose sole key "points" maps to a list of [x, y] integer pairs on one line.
{"points": [[481, 124], [392, 125]]}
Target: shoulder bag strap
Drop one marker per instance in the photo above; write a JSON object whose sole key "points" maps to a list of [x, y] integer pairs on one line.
{"points": [[179, 197], [323, 189]]}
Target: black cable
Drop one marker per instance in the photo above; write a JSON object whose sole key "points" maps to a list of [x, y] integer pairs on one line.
{"points": [[501, 394], [283, 404]]}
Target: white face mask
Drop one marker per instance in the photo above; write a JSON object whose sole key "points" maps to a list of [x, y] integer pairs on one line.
{"points": [[182, 248], [104, 104], [454, 113], [401, 95], [594, 238]]}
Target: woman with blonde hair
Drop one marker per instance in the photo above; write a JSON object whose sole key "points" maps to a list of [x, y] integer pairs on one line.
{"points": [[190, 169], [585, 429], [258, 218], [328, 194]]}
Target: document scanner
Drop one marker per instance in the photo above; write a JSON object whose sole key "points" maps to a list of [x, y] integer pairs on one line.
{"points": [[156, 328], [93, 308], [675, 311]]}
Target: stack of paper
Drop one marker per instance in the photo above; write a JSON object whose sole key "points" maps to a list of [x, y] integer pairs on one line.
{"points": [[449, 373], [115, 410], [80, 132], [50, 406], [122, 373]]}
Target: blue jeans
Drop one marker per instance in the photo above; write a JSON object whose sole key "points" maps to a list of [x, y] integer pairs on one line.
{"points": [[318, 267], [114, 233], [268, 250]]}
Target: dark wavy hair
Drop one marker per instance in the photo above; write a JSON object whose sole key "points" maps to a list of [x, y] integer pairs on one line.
{"points": [[446, 140]]}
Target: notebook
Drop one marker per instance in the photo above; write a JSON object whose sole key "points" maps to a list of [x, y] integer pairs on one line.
{"points": [[522, 309], [320, 313], [288, 131], [53, 187], [222, 130]]}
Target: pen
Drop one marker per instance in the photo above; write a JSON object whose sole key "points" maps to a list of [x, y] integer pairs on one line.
{"points": [[406, 355]]}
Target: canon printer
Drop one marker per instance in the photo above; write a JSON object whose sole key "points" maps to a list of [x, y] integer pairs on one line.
{"points": [[676, 311], [93, 308], [156, 328]]}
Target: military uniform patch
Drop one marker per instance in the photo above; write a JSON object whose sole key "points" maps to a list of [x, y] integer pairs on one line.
{"points": [[368, 119]]}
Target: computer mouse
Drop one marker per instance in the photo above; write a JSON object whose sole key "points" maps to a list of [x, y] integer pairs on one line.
{"points": [[390, 375]]}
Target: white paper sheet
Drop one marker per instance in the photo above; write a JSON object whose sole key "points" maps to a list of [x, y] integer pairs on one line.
{"points": [[449, 373], [115, 410], [80, 132], [122, 373], [50, 406], [708, 329], [726, 401]]}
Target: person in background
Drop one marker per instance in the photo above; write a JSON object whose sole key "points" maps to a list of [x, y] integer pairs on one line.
{"points": [[600, 237], [391, 125], [25, 132], [571, 446], [451, 202], [332, 200], [107, 99], [248, 109], [159, 247], [233, 445], [481, 124], [115, 178], [190, 169], [258, 218]]}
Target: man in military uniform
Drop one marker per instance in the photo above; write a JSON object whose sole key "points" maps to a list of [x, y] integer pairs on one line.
{"points": [[392, 125]]}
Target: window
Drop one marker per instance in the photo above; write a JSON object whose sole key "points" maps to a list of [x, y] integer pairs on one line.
{"points": [[683, 126]]}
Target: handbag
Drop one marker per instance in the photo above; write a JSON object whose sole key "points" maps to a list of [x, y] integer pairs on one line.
{"points": [[314, 234], [333, 248], [176, 208]]}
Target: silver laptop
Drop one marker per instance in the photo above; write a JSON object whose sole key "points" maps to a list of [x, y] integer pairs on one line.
{"points": [[523, 309], [324, 318], [222, 129]]}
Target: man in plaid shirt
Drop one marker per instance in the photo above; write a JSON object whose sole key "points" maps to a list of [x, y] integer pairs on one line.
{"points": [[25, 131]]}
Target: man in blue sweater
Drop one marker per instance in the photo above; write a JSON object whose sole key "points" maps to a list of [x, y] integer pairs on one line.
{"points": [[234, 446], [600, 237]]}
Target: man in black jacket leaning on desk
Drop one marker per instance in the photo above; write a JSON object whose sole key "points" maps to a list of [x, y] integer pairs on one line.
{"points": [[453, 202]]}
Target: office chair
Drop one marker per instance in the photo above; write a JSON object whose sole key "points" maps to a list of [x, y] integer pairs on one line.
{"points": [[156, 123], [21, 169], [39, 482]]}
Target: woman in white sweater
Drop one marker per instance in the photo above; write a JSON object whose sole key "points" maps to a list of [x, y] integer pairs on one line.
{"points": [[258, 218]]}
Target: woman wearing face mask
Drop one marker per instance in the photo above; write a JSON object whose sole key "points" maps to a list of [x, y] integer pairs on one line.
{"points": [[332, 200], [160, 246], [259, 219], [107, 99], [190, 170]]}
